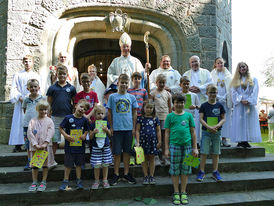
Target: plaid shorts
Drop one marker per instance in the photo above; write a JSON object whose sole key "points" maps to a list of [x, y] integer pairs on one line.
{"points": [[177, 155]]}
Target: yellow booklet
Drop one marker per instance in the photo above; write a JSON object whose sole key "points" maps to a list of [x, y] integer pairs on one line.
{"points": [[188, 101], [140, 156], [99, 124], [76, 134], [212, 121], [39, 158]]}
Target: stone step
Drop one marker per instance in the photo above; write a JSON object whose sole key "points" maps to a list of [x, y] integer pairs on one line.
{"points": [[17, 194], [20, 159], [239, 198], [17, 175]]}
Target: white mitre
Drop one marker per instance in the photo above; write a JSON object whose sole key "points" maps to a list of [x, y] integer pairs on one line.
{"points": [[125, 39]]}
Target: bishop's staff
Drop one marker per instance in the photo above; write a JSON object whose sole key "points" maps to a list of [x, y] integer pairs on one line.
{"points": [[147, 56]]}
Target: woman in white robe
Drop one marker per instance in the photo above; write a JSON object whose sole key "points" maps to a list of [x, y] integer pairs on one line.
{"points": [[222, 78], [245, 118]]}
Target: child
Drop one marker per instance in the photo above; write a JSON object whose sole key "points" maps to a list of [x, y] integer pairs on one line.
{"points": [[60, 97], [101, 155], [180, 138], [211, 132], [162, 99], [148, 136], [40, 133], [122, 119], [28, 106], [75, 125], [222, 78], [245, 118], [140, 95], [87, 94], [194, 108], [18, 93]]}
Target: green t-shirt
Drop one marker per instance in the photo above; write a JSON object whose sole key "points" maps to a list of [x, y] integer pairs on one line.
{"points": [[179, 126]]}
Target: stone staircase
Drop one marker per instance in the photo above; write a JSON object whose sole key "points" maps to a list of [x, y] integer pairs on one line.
{"points": [[248, 180]]}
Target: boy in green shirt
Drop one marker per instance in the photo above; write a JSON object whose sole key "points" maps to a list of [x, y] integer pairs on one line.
{"points": [[180, 140]]}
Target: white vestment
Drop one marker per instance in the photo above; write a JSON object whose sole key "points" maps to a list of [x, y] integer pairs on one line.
{"points": [[245, 118], [98, 87], [222, 81], [19, 89], [172, 76], [123, 65]]}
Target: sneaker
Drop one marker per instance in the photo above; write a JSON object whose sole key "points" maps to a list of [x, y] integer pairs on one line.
{"points": [[130, 179], [131, 160], [33, 187], [146, 180], [105, 184], [176, 199], [152, 180], [95, 185], [79, 185], [184, 198], [240, 144], [27, 167], [216, 176], [200, 176], [224, 143], [157, 160], [64, 186], [247, 145], [42, 187], [115, 179]]}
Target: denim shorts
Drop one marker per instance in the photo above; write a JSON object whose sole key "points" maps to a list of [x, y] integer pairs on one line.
{"points": [[121, 142], [26, 138], [177, 155], [71, 159], [57, 135], [210, 142]]}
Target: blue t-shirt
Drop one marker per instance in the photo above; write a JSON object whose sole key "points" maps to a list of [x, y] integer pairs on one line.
{"points": [[121, 106], [93, 141], [210, 110], [71, 122], [61, 99]]}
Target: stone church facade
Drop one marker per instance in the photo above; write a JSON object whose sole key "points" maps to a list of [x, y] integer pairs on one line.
{"points": [[83, 28]]}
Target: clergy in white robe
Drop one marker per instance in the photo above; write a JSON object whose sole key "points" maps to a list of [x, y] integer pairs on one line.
{"points": [[73, 77], [199, 79], [172, 76], [18, 93], [245, 118], [222, 78], [125, 64]]}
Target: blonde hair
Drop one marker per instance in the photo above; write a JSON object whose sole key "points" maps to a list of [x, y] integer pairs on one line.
{"points": [[99, 108], [31, 82], [43, 104], [237, 78], [161, 77], [92, 66], [214, 67], [28, 56]]}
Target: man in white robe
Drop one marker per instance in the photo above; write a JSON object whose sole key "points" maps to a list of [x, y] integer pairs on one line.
{"points": [[172, 76], [18, 93], [125, 64], [73, 77], [199, 79]]}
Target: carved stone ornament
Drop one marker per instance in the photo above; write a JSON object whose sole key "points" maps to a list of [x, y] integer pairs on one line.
{"points": [[118, 20]]}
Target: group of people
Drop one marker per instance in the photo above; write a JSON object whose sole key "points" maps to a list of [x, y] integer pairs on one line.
{"points": [[166, 119]]}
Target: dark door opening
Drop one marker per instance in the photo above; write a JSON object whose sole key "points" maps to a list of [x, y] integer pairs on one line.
{"points": [[103, 51]]}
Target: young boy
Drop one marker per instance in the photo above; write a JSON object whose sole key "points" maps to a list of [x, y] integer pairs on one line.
{"points": [[29, 107], [180, 140], [195, 104], [122, 119], [60, 97], [140, 95], [72, 127], [87, 94], [18, 93], [212, 117]]}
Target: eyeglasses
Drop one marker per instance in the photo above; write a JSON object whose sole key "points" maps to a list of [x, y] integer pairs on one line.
{"points": [[242, 67]]}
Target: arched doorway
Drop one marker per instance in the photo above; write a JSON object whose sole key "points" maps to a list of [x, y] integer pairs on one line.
{"points": [[101, 52]]}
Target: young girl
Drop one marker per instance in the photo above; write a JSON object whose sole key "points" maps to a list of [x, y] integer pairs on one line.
{"points": [[40, 133], [148, 136], [162, 99], [245, 117], [222, 78], [100, 153]]}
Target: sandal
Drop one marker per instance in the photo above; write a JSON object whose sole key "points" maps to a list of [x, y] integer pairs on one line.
{"points": [[184, 198], [176, 199]]}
